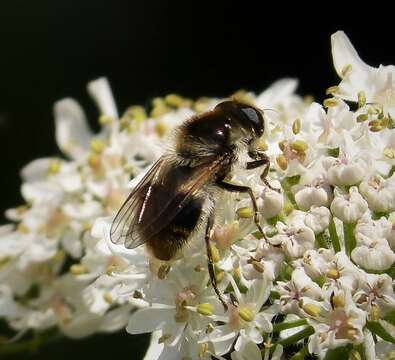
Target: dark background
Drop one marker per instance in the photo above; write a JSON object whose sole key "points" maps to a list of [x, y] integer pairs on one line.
{"points": [[49, 50]]}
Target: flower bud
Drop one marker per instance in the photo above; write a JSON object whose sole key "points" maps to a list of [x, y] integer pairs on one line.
{"points": [[272, 204], [373, 254], [379, 193], [349, 207], [343, 173], [317, 219], [309, 196]]}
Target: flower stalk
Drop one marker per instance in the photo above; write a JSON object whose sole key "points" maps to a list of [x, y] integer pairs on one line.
{"points": [[349, 238], [333, 236]]}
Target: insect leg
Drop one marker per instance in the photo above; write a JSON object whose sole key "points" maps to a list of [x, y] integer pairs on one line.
{"points": [[210, 265], [244, 189], [261, 159]]}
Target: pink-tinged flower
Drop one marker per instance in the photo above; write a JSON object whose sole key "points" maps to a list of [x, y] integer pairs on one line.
{"points": [[337, 322]]}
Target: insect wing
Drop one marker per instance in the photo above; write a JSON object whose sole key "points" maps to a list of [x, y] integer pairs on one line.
{"points": [[123, 227], [177, 189], [164, 191]]}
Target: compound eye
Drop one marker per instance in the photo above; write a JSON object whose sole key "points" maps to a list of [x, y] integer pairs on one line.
{"points": [[255, 118]]}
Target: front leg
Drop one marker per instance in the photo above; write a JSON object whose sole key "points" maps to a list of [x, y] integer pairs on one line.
{"points": [[244, 189], [260, 159], [210, 265]]}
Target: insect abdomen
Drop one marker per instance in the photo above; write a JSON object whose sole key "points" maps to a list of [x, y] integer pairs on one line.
{"points": [[170, 239]]}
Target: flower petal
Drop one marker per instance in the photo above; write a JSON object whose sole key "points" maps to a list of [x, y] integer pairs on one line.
{"points": [[101, 93], [344, 54], [148, 320], [72, 131]]}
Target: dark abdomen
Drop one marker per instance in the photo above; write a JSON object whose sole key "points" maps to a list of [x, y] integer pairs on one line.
{"points": [[171, 238]]}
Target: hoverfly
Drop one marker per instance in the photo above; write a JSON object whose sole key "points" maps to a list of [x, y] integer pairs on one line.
{"points": [[178, 194]]}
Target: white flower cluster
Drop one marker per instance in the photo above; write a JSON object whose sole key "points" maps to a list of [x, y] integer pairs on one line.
{"points": [[322, 283]]}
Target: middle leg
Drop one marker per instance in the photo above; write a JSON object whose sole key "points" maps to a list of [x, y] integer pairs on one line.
{"points": [[244, 189]]}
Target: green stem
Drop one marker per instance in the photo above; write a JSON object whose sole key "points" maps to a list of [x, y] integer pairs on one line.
{"points": [[298, 336], [286, 185], [28, 346], [288, 325], [349, 238], [334, 237], [321, 241], [300, 355]]}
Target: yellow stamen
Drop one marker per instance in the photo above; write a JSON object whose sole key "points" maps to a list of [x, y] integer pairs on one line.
{"points": [[246, 314], [376, 128], [312, 309], [136, 112], [331, 102], [210, 328], [362, 117], [98, 145], [205, 309], [94, 161], [245, 212], [159, 108], [108, 297], [346, 70], [282, 162], [105, 119], [199, 268], [164, 338], [389, 153], [299, 145], [177, 101], [215, 254], [333, 274], [202, 351], [296, 126], [161, 128], [283, 144], [201, 104], [361, 99], [22, 228], [338, 301], [258, 266], [78, 269], [54, 167], [375, 313], [219, 276], [332, 90]]}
